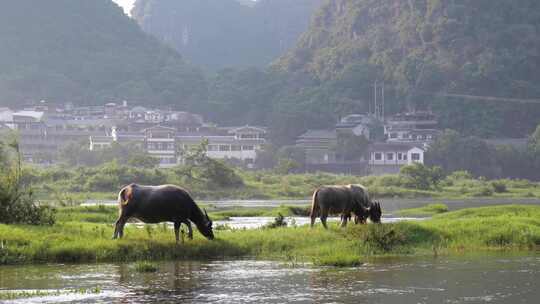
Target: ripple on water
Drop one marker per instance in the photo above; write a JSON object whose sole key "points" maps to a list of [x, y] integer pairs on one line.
{"points": [[459, 280]]}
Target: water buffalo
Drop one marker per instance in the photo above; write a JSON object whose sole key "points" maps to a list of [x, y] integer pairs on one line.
{"points": [[344, 200], [155, 204]]}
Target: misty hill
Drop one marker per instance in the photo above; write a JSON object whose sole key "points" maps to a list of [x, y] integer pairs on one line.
{"points": [[86, 52], [226, 33], [482, 47]]}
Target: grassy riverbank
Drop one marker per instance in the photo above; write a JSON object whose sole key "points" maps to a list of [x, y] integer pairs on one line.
{"points": [[77, 239]]}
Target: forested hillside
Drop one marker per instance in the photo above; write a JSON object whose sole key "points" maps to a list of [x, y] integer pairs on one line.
{"points": [[87, 52], [422, 47], [226, 33]]}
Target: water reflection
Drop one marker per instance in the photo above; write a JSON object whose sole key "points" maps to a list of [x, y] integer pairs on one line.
{"points": [[494, 279]]}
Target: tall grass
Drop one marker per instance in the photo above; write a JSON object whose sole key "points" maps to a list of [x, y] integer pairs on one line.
{"points": [[428, 210]]}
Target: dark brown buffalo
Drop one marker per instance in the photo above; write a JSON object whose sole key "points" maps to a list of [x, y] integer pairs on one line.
{"points": [[344, 200], [155, 204]]}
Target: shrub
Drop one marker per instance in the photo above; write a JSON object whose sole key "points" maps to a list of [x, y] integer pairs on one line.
{"points": [[16, 201], [499, 186], [383, 237], [279, 221], [422, 177], [146, 267], [483, 191]]}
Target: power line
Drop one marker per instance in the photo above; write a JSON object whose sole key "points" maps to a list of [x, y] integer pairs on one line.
{"points": [[484, 98]]}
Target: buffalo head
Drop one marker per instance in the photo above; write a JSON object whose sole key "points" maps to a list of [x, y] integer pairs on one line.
{"points": [[375, 212], [205, 227]]}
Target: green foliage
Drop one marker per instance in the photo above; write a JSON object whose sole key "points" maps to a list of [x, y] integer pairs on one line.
{"points": [[279, 221], [469, 230], [145, 266], [17, 204], [224, 33], [421, 176], [428, 210], [87, 52], [351, 147], [198, 166], [455, 153], [499, 186], [425, 47]]}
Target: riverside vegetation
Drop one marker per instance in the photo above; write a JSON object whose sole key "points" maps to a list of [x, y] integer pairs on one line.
{"points": [[33, 233], [82, 234], [71, 186]]}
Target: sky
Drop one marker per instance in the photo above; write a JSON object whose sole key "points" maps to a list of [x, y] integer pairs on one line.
{"points": [[126, 4]]}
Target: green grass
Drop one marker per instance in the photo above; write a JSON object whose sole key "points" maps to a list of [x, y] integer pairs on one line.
{"points": [[510, 227], [268, 185], [428, 210], [145, 266]]}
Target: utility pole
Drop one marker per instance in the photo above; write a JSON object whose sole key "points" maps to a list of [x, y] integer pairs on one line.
{"points": [[382, 108], [376, 105]]}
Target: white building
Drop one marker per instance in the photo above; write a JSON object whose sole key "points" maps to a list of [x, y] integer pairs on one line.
{"points": [[160, 142], [388, 158], [241, 143]]}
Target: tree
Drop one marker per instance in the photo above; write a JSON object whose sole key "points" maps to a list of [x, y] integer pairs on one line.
{"points": [[452, 152], [198, 166], [16, 202], [351, 147], [421, 176]]}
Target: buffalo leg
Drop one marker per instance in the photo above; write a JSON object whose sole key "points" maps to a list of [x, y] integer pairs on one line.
{"points": [[119, 227], [344, 219], [190, 230], [324, 216], [177, 232]]}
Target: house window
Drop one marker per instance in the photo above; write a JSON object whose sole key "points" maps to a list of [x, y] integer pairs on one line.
{"points": [[378, 156], [248, 148], [400, 156], [405, 156], [236, 148], [389, 156], [415, 156], [224, 148], [248, 136], [393, 135]]}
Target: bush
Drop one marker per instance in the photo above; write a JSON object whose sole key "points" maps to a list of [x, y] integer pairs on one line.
{"points": [[146, 267], [499, 186], [16, 202], [422, 177], [483, 191], [279, 221]]}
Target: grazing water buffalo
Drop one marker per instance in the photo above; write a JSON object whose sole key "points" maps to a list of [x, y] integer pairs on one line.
{"points": [[155, 204], [344, 200]]}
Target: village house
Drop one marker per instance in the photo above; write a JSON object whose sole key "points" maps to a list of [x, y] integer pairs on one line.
{"points": [[389, 157], [319, 146], [357, 124], [415, 127]]}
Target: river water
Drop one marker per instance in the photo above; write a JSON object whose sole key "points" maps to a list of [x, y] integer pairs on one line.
{"points": [[388, 205], [478, 279]]}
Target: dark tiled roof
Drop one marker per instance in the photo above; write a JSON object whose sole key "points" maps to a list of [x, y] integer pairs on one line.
{"points": [[393, 146], [327, 134]]}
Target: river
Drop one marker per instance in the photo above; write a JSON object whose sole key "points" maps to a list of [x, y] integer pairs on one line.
{"points": [[502, 278]]}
